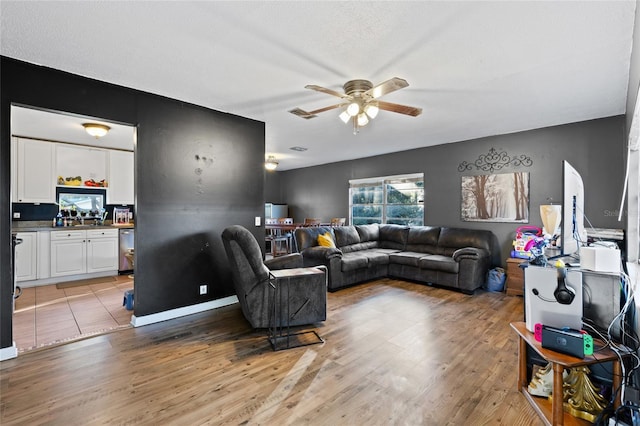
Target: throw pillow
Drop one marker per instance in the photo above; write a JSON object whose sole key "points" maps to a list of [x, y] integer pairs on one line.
{"points": [[325, 240]]}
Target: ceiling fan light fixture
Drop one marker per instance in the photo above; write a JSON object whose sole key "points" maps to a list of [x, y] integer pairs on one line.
{"points": [[371, 110], [359, 101], [353, 109], [96, 130], [271, 163], [345, 117]]}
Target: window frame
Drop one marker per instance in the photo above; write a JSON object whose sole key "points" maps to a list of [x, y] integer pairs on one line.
{"points": [[383, 182]]}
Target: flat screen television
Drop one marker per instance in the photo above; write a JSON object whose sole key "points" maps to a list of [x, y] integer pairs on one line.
{"points": [[573, 233]]}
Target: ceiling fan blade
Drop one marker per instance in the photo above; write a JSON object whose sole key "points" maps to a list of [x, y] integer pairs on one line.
{"points": [[402, 109], [302, 113], [317, 111], [327, 91], [311, 114], [385, 87]]}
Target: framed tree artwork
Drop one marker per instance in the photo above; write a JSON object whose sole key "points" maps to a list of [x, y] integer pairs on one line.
{"points": [[500, 197]]}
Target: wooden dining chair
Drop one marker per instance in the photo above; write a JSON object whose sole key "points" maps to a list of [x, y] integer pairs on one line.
{"points": [[311, 222], [338, 221]]}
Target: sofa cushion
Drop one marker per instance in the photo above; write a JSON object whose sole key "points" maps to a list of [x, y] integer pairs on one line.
{"points": [[393, 236], [353, 261], [452, 239], [437, 262], [423, 239], [409, 258], [360, 246], [376, 257], [387, 251], [368, 232], [346, 235]]}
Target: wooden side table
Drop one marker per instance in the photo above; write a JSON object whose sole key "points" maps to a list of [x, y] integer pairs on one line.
{"points": [[553, 413], [515, 277]]}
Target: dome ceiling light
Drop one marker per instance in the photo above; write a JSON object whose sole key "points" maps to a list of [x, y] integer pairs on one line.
{"points": [[96, 130], [271, 163]]}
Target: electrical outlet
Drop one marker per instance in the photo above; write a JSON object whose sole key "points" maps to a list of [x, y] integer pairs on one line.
{"points": [[203, 289], [16, 215], [257, 221]]}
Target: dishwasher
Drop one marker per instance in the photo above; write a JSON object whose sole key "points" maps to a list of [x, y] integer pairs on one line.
{"points": [[126, 242]]}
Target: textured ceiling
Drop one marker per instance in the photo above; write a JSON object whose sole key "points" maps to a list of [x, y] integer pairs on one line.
{"points": [[476, 68]]}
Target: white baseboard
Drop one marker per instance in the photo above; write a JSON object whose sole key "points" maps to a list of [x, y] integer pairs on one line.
{"points": [[9, 352], [181, 312]]}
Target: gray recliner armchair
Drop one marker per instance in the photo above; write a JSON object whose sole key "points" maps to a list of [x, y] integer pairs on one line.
{"points": [[307, 295]]}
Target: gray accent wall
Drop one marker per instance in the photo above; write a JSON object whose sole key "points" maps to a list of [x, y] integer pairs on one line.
{"points": [[196, 172], [595, 148], [273, 191]]}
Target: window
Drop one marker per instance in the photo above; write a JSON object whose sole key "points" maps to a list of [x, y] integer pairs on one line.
{"points": [[391, 199], [84, 204]]}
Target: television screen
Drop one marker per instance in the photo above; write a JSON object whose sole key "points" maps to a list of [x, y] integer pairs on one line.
{"points": [[573, 233]]}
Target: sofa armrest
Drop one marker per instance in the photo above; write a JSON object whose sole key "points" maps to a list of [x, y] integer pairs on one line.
{"points": [[321, 253], [289, 261], [469, 253]]}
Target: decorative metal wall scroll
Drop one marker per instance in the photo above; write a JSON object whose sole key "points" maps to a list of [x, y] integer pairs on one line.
{"points": [[494, 160]]}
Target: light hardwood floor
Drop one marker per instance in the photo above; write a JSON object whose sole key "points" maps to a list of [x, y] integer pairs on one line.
{"points": [[395, 353], [46, 315]]}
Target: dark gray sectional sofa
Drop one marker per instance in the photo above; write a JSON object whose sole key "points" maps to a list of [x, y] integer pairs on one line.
{"points": [[450, 257]]}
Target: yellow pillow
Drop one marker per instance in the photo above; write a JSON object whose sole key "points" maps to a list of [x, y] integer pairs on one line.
{"points": [[325, 240]]}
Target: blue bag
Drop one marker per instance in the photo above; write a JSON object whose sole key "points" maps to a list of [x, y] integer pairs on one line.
{"points": [[496, 279]]}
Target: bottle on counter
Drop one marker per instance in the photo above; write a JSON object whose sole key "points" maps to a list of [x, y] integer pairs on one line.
{"points": [[59, 219]]}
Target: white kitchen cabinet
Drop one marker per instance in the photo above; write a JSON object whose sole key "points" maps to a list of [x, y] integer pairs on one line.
{"points": [[26, 256], [35, 177], [68, 253], [14, 170], [76, 252], [102, 250], [88, 163], [121, 166]]}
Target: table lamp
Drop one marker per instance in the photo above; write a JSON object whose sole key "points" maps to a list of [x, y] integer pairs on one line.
{"points": [[551, 215]]}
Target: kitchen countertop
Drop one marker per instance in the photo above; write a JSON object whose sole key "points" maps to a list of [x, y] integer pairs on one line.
{"points": [[45, 225]]}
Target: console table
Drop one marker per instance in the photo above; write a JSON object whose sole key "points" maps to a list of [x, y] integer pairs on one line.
{"points": [[552, 413]]}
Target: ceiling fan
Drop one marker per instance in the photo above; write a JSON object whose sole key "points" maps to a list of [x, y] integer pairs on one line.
{"points": [[360, 98]]}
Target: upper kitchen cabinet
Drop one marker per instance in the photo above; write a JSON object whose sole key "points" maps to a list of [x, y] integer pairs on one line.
{"points": [[121, 166], [81, 166], [34, 171]]}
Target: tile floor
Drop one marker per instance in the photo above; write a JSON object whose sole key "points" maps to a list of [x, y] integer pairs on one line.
{"points": [[46, 315]]}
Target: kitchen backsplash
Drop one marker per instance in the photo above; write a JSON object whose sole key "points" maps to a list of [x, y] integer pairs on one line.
{"points": [[49, 211], [44, 211]]}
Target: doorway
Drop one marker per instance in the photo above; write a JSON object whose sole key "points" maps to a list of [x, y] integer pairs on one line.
{"points": [[47, 311]]}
